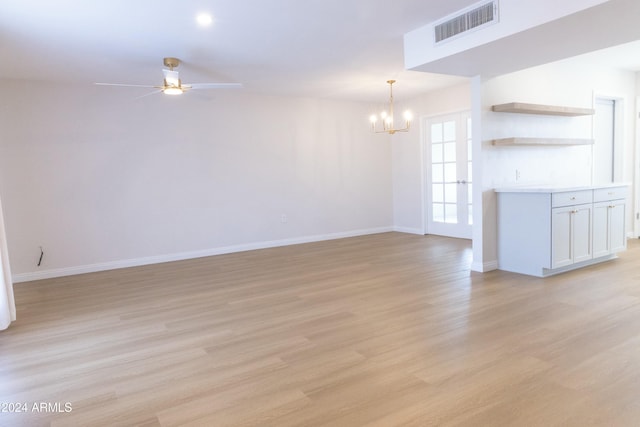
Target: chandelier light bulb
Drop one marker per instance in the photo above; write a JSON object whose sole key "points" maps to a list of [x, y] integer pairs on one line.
{"points": [[408, 116]]}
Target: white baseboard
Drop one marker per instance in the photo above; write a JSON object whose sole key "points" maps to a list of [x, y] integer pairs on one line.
{"points": [[483, 267], [136, 262], [409, 230]]}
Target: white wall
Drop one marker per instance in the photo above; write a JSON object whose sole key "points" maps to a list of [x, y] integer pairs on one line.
{"points": [[407, 149], [570, 82], [101, 180]]}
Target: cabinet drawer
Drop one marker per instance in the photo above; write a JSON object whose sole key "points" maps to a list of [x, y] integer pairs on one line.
{"points": [[613, 193], [571, 198]]}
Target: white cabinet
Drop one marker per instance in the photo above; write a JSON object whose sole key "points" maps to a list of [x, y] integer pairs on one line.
{"points": [[547, 231], [571, 213], [609, 235], [617, 229], [571, 235]]}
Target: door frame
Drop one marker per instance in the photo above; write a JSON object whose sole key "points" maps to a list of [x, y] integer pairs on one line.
{"points": [[425, 154], [619, 108]]}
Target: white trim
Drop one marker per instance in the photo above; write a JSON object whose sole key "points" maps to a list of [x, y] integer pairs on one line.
{"points": [[409, 230], [546, 272], [483, 267], [136, 262], [636, 174], [423, 175]]}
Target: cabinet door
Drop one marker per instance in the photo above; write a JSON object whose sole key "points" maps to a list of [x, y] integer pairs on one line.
{"points": [[571, 235], [601, 241], [581, 233], [609, 233], [561, 237], [617, 230]]}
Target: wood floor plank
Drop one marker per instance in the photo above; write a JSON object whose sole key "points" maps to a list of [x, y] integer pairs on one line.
{"points": [[382, 330]]}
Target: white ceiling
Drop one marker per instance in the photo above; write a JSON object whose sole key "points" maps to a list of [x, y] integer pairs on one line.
{"points": [[343, 49]]}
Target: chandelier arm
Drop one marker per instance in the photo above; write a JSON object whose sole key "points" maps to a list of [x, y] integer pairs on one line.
{"points": [[391, 120]]}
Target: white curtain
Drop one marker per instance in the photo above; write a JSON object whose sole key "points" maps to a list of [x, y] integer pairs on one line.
{"points": [[7, 302]]}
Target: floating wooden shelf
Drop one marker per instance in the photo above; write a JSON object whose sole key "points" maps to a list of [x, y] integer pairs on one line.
{"points": [[549, 110], [542, 141]]}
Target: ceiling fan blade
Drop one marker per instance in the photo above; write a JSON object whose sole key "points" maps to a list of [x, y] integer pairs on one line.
{"points": [[148, 94], [213, 85], [125, 85]]}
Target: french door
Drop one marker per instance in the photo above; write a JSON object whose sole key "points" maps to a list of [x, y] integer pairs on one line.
{"points": [[448, 175]]}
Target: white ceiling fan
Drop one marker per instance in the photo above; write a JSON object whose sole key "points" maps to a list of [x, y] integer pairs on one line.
{"points": [[172, 85]]}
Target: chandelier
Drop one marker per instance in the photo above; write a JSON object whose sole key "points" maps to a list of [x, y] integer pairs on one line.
{"points": [[387, 117]]}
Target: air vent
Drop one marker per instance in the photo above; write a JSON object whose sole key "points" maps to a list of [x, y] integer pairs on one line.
{"points": [[467, 20]]}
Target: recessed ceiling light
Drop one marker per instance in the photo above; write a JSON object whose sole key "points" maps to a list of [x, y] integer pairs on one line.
{"points": [[204, 19]]}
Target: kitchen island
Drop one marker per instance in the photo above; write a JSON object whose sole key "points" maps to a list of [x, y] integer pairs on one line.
{"points": [[546, 230]]}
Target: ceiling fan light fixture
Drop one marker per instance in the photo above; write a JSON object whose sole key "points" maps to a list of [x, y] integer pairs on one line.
{"points": [[172, 90], [171, 78], [172, 83]]}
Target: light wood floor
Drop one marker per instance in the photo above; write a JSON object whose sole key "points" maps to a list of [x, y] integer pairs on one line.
{"points": [[384, 330]]}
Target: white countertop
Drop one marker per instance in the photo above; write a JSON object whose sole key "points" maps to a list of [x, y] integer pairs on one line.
{"points": [[556, 189]]}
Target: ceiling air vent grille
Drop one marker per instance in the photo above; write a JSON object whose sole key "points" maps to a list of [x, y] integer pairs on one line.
{"points": [[465, 21]]}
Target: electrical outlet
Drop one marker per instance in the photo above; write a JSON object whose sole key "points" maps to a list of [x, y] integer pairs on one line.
{"points": [[283, 218], [517, 175]]}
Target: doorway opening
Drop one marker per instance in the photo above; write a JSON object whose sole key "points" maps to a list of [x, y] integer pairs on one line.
{"points": [[604, 149]]}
